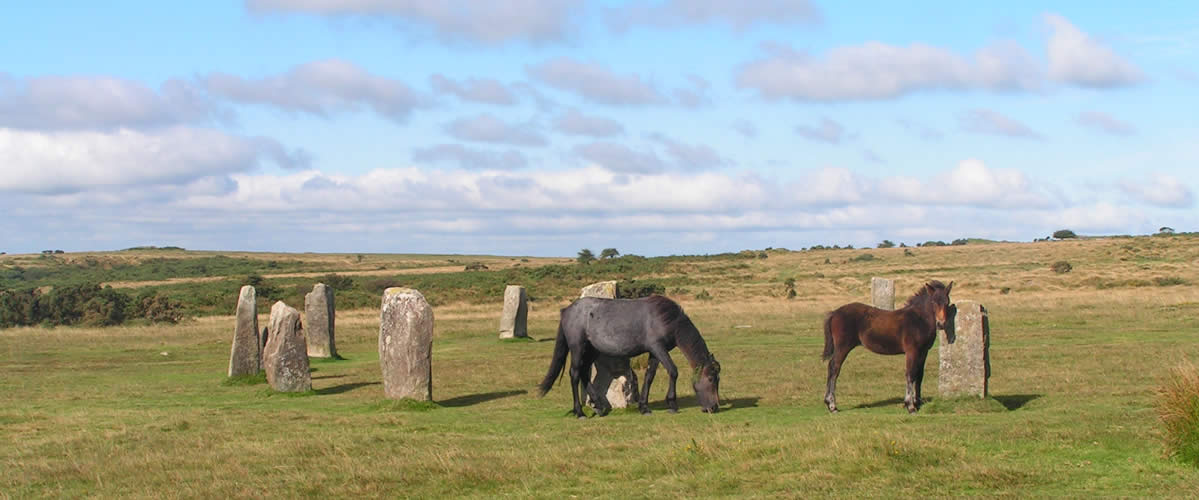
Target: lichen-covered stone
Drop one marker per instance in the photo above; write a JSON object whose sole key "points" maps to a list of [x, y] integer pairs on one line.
{"points": [[603, 290], [286, 355], [515, 318], [406, 345], [965, 352], [882, 293], [319, 318], [245, 358], [614, 380]]}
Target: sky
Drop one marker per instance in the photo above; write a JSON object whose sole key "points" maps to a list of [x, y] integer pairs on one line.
{"points": [[541, 127]]}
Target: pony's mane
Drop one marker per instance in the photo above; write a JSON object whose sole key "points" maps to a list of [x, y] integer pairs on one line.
{"points": [[686, 336], [925, 294]]}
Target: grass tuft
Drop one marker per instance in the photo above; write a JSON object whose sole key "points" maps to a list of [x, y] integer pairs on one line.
{"points": [[255, 379], [269, 392], [1178, 411], [405, 405]]}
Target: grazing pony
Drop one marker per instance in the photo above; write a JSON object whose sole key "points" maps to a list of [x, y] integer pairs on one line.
{"points": [[909, 330], [590, 327]]}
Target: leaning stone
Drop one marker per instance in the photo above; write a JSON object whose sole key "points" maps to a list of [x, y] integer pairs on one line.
{"points": [[286, 355], [882, 292], [613, 380], [319, 316], [514, 321], [965, 352], [406, 345], [246, 356], [603, 290]]}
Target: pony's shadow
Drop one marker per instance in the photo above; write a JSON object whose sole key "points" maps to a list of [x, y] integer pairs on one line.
{"points": [[725, 404], [1015, 401], [475, 399], [882, 403], [338, 389]]}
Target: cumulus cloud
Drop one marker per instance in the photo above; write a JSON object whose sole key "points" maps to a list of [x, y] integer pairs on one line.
{"points": [[746, 128], [920, 130], [574, 122], [985, 121], [828, 131], [486, 127], [1104, 122], [1159, 189], [690, 156], [71, 161], [738, 15], [101, 103], [1077, 58], [595, 82], [694, 96], [619, 158], [469, 158], [876, 70], [484, 90], [537, 21], [971, 183], [321, 88]]}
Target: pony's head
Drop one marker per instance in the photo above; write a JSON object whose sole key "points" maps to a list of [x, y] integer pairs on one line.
{"points": [[938, 294], [707, 385]]}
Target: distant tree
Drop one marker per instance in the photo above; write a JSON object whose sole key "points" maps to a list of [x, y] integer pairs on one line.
{"points": [[789, 287], [609, 253], [585, 256], [959, 241], [1064, 234], [1166, 230], [886, 244]]}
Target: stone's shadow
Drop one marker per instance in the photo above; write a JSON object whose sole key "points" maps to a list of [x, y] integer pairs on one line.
{"points": [[475, 399], [338, 389], [886, 402], [328, 376], [951, 315], [549, 339], [1015, 401]]}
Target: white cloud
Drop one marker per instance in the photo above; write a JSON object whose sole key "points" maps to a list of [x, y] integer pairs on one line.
{"points": [[619, 158], [691, 156], [746, 128], [574, 122], [65, 162], [971, 183], [985, 121], [486, 127], [1077, 58], [321, 88], [101, 103], [470, 159], [1105, 123], [1159, 189], [595, 82], [876, 70], [1099, 218], [739, 15], [484, 90], [537, 21], [828, 131]]}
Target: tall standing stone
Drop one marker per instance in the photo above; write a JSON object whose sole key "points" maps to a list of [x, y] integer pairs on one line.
{"points": [[319, 316], [965, 353], [882, 293], [286, 354], [246, 355], [515, 319], [406, 345], [603, 290]]}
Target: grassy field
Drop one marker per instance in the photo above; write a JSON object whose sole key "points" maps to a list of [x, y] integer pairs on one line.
{"points": [[142, 410]]}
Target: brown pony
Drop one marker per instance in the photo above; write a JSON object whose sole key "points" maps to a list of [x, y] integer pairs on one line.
{"points": [[909, 330]]}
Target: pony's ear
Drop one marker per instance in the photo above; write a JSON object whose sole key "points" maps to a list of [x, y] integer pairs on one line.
{"points": [[948, 288]]}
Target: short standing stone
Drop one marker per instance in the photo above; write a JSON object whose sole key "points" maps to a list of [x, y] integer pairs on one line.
{"points": [[616, 377], [246, 355], [514, 321], [882, 293], [965, 353], [286, 354], [319, 316], [406, 345], [603, 290]]}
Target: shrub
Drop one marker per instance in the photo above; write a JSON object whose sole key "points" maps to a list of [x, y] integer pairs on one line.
{"points": [[585, 256], [1064, 234], [633, 289], [1168, 281], [703, 295], [1061, 267], [609, 253], [959, 242], [338, 282], [763, 254], [475, 266], [886, 244], [866, 257], [1178, 411], [907, 252]]}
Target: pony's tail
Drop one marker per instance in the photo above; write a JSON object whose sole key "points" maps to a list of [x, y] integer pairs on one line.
{"points": [[828, 338], [556, 364]]}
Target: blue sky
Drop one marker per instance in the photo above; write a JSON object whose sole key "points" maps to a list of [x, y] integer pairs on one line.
{"points": [[539, 127]]}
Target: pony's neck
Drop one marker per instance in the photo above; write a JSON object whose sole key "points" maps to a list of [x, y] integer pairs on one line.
{"points": [[692, 346], [922, 305]]}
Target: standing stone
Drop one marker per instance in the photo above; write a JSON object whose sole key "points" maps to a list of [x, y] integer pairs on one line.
{"points": [[603, 290], [965, 353], [246, 356], [286, 355], [406, 345], [614, 374], [882, 292], [319, 315], [514, 321]]}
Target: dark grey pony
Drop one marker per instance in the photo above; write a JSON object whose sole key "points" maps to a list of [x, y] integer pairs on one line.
{"points": [[591, 327]]}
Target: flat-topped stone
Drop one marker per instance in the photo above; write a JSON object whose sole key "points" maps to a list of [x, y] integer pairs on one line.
{"points": [[603, 290], [515, 318], [406, 345], [882, 293], [964, 349]]}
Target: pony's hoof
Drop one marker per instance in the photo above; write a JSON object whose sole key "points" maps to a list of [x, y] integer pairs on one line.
{"points": [[832, 409], [644, 410], [673, 410], [582, 417]]}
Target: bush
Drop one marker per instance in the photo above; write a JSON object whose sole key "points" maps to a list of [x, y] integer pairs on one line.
{"points": [[1061, 267], [475, 266], [1168, 281], [907, 252], [959, 242], [1178, 411], [1064, 234], [886, 244], [866, 257], [633, 289], [338, 282], [703, 295]]}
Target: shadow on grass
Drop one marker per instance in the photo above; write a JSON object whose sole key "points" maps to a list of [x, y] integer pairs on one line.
{"points": [[334, 359], [520, 340], [882, 403], [475, 399], [327, 376], [338, 389], [687, 402], [1016, 401]]}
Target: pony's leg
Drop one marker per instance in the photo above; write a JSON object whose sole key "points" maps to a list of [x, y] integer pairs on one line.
{"points": [[920, 378], [576, 365], [914, 364], [834, 371], [651, 368], [672, 403]]}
